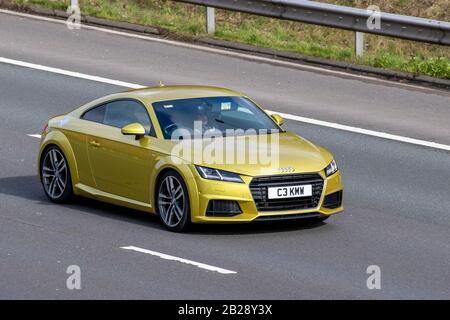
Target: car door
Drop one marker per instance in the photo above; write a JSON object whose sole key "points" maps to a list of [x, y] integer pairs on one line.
{"points": [[120, 164]]}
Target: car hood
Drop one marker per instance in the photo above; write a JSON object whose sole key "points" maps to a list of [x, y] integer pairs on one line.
{"points": [[295, 155]]}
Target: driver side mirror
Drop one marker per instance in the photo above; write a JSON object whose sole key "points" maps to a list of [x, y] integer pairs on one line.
{"points": [[134, 129], [278, 119]]}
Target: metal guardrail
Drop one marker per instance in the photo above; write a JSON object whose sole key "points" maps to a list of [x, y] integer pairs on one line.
{"points": [[393, 25]]}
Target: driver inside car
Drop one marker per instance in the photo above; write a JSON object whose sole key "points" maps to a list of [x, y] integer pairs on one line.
{"points": [[204, 112]]}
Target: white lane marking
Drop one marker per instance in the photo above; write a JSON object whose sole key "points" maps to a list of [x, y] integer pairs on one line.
{"points": [[173, 258], [220, 51], [70, 73], [286, 115], [34, 135], [363, 131]]}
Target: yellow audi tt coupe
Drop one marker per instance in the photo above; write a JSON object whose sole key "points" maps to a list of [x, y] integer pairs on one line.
{"points": [[190, 154]]}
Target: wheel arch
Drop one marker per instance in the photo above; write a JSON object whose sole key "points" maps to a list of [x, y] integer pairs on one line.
{"points": [[188, 178], [58, 139]]}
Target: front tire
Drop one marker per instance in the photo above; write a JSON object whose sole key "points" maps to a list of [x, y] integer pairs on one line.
{"points": [[55, 175], [173, 202]]}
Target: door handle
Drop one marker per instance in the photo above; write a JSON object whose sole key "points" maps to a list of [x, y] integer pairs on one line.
{"points": [[94, 143]]}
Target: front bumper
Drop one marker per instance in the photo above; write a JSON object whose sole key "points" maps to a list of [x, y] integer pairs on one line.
{"points": [[240, 192]]}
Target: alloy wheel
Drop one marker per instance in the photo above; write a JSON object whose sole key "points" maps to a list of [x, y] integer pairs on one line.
{"points": [[54, 173], [171, 201]]}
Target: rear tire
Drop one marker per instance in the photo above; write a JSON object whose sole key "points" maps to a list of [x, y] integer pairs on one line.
{"points": [[55, 175], [172, 202]]}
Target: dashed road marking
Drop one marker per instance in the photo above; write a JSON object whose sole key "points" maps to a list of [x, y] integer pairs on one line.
{"points": [[182, 260], [34, 135]]}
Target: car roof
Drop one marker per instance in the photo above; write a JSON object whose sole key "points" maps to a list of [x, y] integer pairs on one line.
{"points": [[163, 93], [150, 95]]}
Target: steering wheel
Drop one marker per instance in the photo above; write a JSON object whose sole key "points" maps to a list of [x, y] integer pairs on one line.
{"points": [[169, 130]]}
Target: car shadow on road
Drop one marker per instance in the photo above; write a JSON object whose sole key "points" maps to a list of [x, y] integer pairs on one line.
{"points": [[256, 227], [26, 187], [29, 187]]}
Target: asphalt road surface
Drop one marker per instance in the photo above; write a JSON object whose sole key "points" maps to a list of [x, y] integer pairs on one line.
{"points": [[397, 195]]}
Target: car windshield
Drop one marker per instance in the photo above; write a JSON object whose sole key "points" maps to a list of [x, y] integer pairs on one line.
{"points": [[215, 116]]}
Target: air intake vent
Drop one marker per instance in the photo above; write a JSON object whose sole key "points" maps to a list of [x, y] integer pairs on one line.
{"points": [[333, 201], [223, 208]]}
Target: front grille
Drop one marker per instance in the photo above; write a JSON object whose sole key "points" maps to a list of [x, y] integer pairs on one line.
{"points": [[259, 185]]}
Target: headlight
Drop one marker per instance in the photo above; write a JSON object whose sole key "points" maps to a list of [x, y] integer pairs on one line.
{"points": [[331, 168], [215, 174]]}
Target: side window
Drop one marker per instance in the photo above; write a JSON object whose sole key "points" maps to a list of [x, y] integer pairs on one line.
{"points": [[97, 114], [120, 113]]}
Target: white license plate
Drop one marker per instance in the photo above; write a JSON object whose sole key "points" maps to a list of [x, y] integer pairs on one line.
{"points": [[290, 192]]}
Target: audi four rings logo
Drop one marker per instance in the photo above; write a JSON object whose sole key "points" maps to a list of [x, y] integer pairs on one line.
{"points": [[287, 169]]}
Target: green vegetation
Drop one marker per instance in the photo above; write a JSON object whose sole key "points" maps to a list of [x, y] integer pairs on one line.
{"points": [[185, 20]]}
